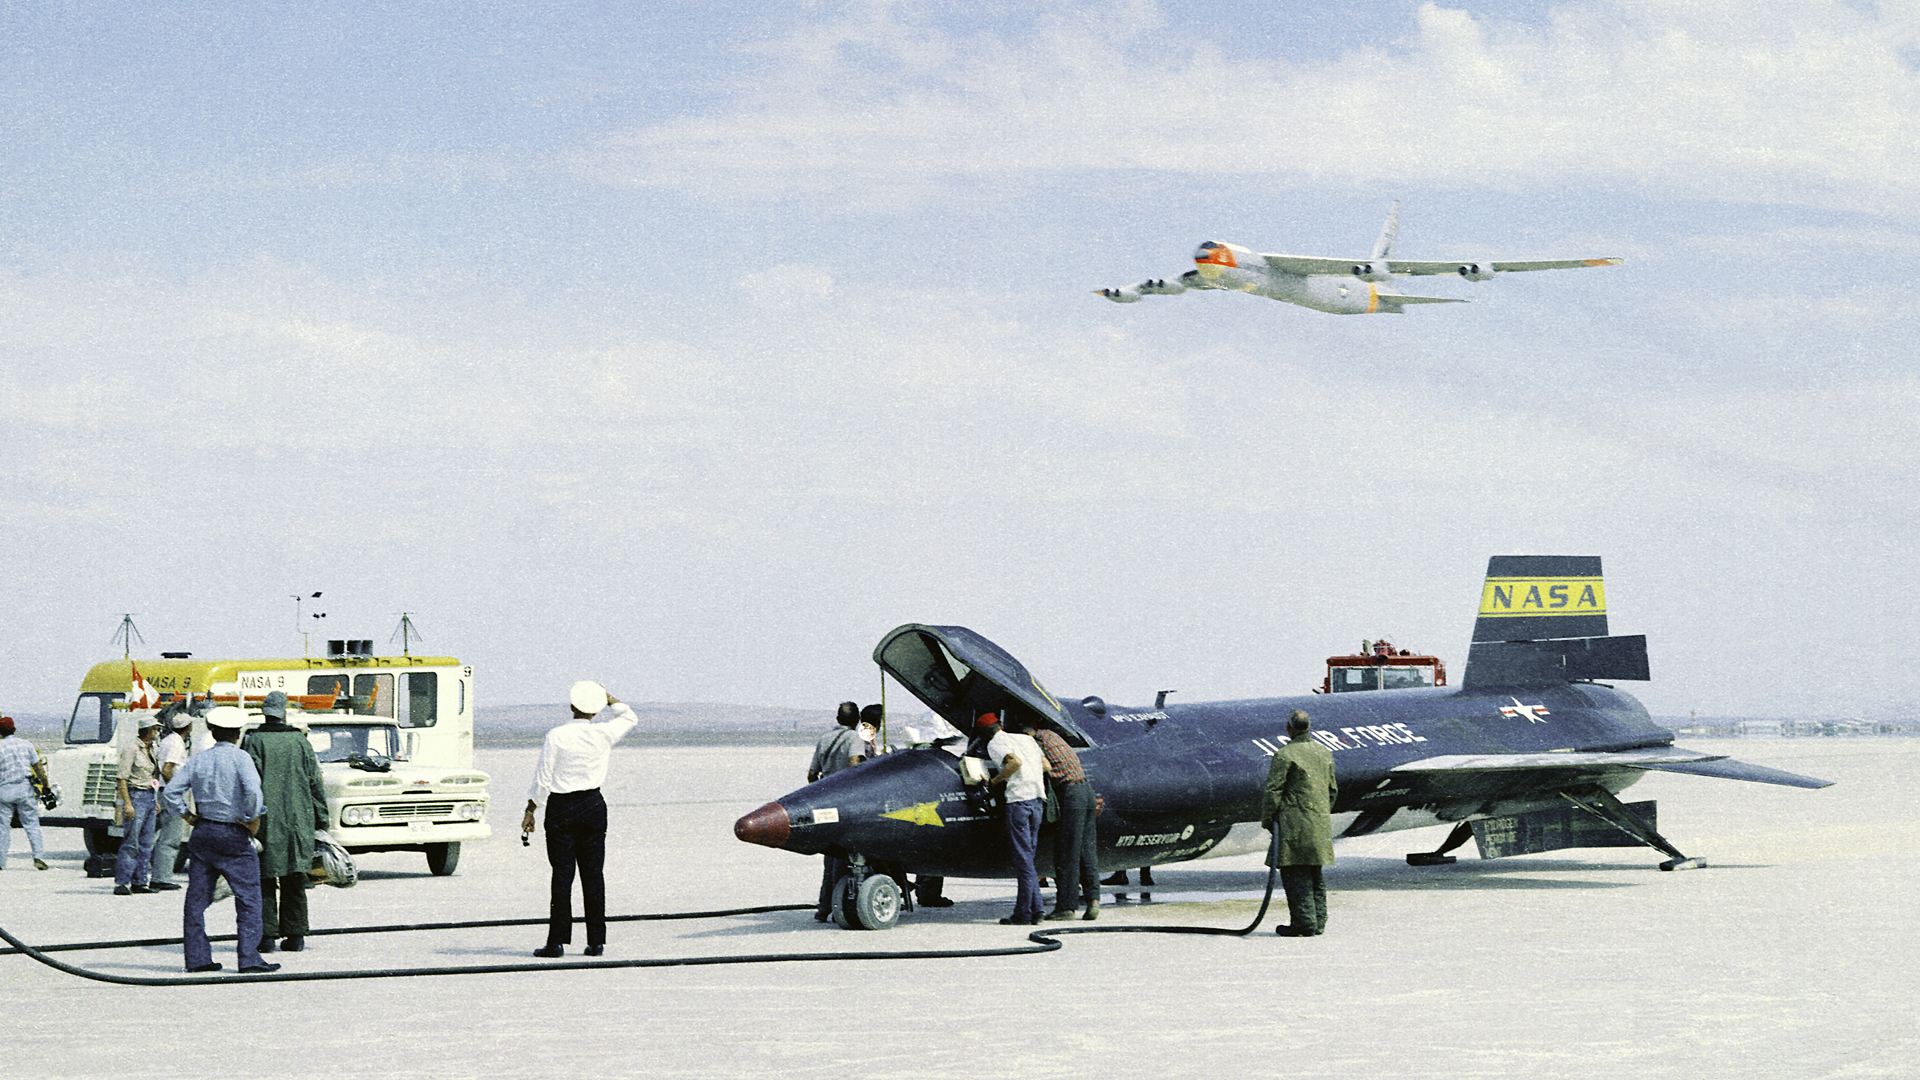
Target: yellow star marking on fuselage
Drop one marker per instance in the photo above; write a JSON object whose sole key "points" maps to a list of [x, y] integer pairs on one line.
{"points": [[926, 813]]}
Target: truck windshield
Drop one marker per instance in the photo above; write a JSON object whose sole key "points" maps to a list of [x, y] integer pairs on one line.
{"points": [[92, 719], [339, 743]]}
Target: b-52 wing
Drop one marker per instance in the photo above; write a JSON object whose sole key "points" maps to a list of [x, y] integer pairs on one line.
{"points": [[1423, 269]]}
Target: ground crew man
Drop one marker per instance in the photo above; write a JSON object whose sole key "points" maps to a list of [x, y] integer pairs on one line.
{"points": [[1298, 808], [227, 805]]}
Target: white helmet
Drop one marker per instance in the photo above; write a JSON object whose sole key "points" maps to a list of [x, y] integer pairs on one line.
{"points": [[588, 697]]}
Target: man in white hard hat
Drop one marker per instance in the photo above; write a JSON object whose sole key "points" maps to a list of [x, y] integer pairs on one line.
{"points": [[227, 805], [573, 765]]}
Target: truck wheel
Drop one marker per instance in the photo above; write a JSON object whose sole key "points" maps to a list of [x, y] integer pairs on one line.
{"points": [[442, 858], [99, 841], [874, 904]]}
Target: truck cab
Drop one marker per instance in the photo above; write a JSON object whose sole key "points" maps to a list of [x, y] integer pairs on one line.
{"points": [[394, 737], [1380, 666]]}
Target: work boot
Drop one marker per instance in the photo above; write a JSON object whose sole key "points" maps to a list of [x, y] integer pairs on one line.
{"points": [[268, 945], [1061, 913], [1093, 910], [294, 943], [40, 864]]}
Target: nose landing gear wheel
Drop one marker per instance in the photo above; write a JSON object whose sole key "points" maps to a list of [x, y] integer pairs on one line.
{"points": [[869, 903]]}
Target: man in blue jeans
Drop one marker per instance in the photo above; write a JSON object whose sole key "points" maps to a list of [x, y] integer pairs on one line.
{"points": [[138, 783], [227, 806], [1022, 777]]}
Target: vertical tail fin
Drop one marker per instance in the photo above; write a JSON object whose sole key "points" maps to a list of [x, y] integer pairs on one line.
{"points": [[1543, 620], [1529, 597], [1389, 235]]}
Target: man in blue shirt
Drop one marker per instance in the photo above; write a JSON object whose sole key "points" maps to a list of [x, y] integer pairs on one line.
{"points": [[227, 806]]}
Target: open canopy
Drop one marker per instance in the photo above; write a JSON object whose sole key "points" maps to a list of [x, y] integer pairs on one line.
{"points": [[960, 675]]}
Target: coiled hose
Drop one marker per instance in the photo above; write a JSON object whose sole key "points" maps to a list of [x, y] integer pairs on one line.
{"points": [[1042, 940]]}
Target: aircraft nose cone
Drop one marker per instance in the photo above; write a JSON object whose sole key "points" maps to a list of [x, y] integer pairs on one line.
{"points": [[768, 826]]}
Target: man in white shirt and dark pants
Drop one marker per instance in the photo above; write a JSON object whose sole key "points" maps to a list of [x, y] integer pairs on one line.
{"points": [[1022, 777], [573, 765]]}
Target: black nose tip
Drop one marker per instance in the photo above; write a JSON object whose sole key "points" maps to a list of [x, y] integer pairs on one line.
{"points": [[768, 826]]}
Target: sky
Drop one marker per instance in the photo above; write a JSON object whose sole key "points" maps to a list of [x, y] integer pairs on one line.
{"points": [[691, 347]]}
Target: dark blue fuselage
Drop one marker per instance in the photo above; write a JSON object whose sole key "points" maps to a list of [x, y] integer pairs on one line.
{"points": [[1185, 781]]}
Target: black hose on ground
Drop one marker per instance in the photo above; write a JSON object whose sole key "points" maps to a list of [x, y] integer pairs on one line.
{"points": [[1043, 940]]}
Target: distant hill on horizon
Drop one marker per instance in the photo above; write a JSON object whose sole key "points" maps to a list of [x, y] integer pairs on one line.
{"points": [[673, 722], [525, 725], [688, 715]]}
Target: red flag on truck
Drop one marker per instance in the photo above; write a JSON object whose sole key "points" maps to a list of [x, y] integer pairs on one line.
{"points": [[141, 696]]}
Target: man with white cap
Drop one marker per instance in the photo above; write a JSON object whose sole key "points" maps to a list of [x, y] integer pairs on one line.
{"points": [[138, 783], [573, 765], [227, 804]]}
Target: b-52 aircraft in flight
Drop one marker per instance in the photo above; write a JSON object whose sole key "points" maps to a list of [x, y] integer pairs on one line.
{"points": [[1527, 754], [1341, 286]]}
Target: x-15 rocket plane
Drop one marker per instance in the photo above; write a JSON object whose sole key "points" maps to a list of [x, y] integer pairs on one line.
{"points": [[1340, 286], [1529, 753]]}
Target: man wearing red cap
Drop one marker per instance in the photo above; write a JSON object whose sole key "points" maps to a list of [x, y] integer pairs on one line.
{"points": [[1022, 778], [19, 761]]}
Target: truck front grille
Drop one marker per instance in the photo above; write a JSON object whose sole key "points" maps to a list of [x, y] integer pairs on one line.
{"points": [[416, 811], [103, 784]]}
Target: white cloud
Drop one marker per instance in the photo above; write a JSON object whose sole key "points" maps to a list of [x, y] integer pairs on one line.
{"points": [[1798, 101]]}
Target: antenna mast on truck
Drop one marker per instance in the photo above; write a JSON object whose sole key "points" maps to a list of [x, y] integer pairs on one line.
{"points": [[406, 632], [125, 635]]}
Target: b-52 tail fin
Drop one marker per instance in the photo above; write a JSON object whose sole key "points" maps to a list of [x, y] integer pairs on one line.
{"points": [[1543, 621], [1389, 235]]}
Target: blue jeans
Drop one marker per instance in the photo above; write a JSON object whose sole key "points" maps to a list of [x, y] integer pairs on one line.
{"points": [[218, 849], [167, 838], [20, 798], [1023, 834], [136, 841]]}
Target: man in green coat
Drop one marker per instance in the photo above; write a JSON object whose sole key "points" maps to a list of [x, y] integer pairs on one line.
{"points": [[1298, 809], [296, 806]]}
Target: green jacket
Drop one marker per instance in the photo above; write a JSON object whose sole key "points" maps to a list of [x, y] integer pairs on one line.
{"points": [[296, 798], [1299, 802]]}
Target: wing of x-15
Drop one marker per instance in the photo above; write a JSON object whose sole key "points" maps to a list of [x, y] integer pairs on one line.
{"points": [[1341, 286], [1527, 754]]}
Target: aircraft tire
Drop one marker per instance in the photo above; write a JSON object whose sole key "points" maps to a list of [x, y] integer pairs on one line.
{"points": [[876, 903], [443, 858]]}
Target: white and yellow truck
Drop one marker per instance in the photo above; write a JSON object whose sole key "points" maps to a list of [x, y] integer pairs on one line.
{"points": [[394, 735]]}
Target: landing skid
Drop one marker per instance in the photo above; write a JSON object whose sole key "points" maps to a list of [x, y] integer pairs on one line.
{"points": [[1439, 857], [1552, 836], [1602, 804]]}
